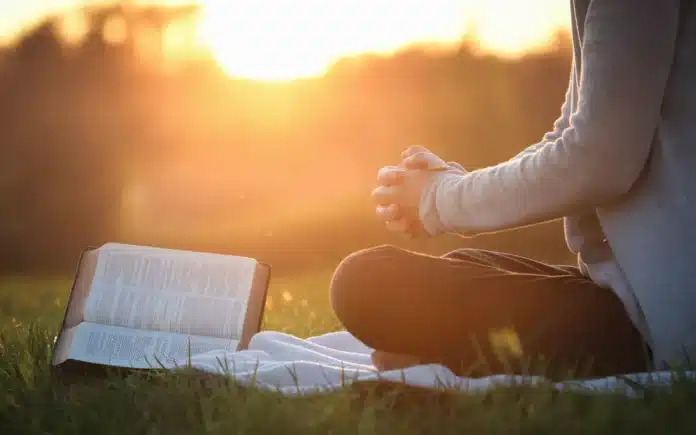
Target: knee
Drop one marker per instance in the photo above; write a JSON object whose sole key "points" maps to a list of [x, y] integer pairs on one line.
{"points": [[356, 280]]}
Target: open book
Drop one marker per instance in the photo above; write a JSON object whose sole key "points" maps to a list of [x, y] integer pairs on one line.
{"points": [[141, 307]]}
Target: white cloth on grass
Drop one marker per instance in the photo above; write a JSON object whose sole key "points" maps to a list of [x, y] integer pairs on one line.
{"points": [[325, 363]]}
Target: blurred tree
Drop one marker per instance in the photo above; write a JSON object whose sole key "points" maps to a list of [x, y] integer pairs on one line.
{"points": [[69, 134], [277, 170]]}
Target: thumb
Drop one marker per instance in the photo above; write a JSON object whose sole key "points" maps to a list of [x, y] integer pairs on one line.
{"points": [[416, 161], [426, 160], [414, 150]]}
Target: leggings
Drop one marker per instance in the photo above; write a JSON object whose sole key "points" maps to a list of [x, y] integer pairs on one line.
{"points": [[481, 313]]}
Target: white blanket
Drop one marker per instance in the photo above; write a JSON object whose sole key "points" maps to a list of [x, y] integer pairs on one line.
{"points": [[294, 366]]}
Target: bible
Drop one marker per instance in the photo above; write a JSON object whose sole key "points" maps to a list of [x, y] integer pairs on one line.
{"points": [[140, 307]]}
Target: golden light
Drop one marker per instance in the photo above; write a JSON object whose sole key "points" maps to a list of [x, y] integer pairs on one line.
{"points": [[277, 40], [513, 27], [280, 39]]}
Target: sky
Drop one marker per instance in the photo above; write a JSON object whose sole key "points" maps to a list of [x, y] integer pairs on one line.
{"points": [[15, 14], [277, 38]]}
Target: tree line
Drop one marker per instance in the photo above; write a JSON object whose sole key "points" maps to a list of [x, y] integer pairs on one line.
{"points": [[79, 122]]}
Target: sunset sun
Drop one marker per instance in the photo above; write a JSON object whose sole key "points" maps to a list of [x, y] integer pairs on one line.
{"points": [[274, 40], [281, 40], [255, 40]]}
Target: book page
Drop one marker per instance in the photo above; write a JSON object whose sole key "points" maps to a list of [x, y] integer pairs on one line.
{"points": [[170, 291], [123, 347]]}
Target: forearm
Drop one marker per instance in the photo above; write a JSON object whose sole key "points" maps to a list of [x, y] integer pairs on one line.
{"points": [[601, 153], [496, 198]]}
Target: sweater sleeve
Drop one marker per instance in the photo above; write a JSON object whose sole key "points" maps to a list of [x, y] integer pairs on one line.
{"points": [[626, 57]]}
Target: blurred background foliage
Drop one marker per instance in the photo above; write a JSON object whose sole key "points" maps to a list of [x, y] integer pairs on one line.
{"points": [[104, 138]]}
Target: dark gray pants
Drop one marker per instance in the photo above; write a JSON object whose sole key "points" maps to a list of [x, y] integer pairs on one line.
{"points": [[443, 310]]}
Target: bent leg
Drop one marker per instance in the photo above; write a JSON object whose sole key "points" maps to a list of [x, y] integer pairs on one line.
{"points": [[442, 309], [511, 262]]}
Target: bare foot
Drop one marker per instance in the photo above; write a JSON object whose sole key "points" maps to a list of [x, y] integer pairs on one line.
{"points": [[385, 361]]}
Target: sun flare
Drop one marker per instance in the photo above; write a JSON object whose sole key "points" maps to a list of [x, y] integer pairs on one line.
{"points": [[281, 40], [278, 40]]}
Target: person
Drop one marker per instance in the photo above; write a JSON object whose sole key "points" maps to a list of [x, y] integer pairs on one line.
{"points": [[618, 167]]}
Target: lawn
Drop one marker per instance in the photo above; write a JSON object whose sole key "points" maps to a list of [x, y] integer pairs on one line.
{"points": [[31, 402]]}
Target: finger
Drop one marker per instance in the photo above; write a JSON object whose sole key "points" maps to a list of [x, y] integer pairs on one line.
{"points": [[389, 212], [398, 225], [385, 195], [414, 150], [390, 175]]}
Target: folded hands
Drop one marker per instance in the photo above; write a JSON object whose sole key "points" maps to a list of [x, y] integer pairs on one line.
{"points": [[400, 189]]}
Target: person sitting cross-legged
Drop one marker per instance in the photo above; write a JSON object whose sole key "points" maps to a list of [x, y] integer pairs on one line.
{"points": [[618, 167]]}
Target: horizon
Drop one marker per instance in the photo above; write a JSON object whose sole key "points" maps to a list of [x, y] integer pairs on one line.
{"points": [[248, 50]]}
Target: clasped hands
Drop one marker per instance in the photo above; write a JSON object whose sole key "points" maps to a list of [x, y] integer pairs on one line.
{"points": [[400, 189]]}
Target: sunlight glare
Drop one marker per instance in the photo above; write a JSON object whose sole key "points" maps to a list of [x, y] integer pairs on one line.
{"points": [[512, 27], [278, 40]]}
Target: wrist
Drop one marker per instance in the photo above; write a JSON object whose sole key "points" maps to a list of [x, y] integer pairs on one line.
{"points": [[427, 210]]}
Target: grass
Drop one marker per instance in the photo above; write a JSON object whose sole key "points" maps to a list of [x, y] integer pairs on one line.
{"points": [[33, 402]]}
